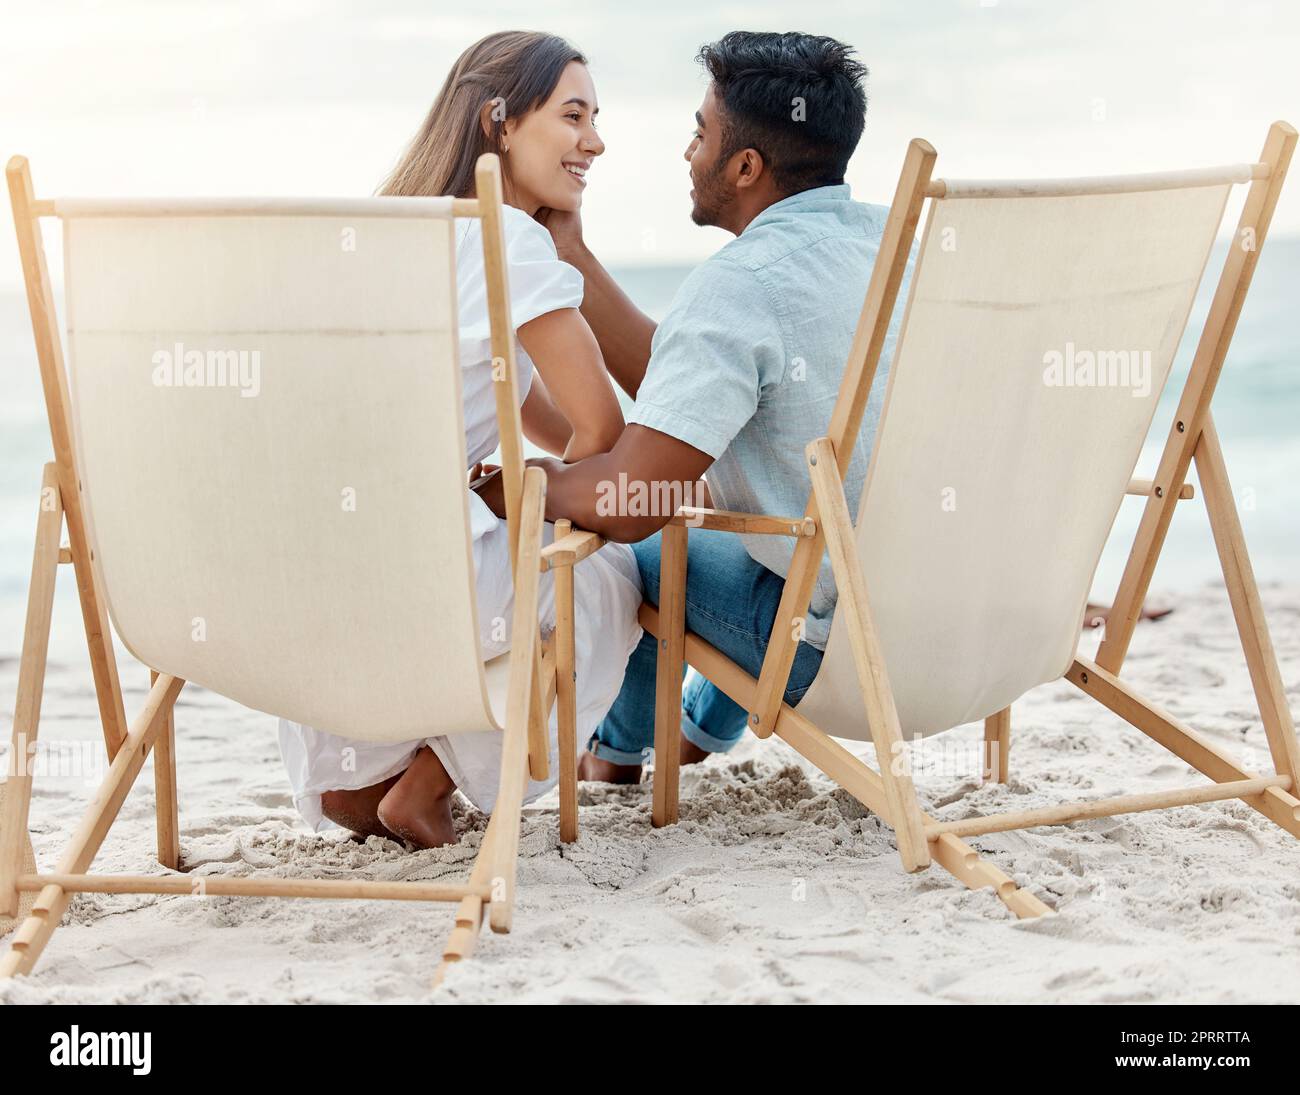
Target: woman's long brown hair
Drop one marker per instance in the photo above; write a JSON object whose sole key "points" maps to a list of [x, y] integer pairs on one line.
{"points": [[515, 71]]}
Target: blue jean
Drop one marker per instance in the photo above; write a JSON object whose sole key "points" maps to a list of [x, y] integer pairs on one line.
{"points": [[731, 603]]}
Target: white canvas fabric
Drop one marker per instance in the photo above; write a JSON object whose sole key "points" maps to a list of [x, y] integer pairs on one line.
{"points": [[319, 491], [992, 491]]}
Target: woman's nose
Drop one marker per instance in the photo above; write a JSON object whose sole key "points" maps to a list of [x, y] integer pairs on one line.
{"points": [[594, 144]]}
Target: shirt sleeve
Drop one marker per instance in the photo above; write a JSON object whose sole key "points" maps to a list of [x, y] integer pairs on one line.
{"points": [[540, 281], [716, 350]]}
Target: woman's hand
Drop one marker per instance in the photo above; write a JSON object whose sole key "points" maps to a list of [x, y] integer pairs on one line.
{"points": [[481, 471], [491, 487], [566, 230]]}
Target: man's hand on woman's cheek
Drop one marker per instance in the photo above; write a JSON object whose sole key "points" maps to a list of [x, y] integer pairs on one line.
{"points": [[566, 230]]}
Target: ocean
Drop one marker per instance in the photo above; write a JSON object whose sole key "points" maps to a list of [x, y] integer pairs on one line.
{"points": [[1257, 410]]}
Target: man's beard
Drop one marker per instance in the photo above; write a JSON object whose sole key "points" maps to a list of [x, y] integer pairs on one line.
{"points": [[711, 199]]}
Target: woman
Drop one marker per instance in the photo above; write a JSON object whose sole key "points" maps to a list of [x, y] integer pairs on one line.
{"points": [[529, 98]]}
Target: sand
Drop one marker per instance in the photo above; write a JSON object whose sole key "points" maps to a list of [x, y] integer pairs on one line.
{"points": [[775, 886]]}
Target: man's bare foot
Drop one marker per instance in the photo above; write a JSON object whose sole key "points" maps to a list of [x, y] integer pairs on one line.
{"points": [[1095, 615], [592, 769], [690, 753], [418, 806], [358, 809]]}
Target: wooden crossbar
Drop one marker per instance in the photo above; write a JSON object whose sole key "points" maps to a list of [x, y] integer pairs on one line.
{"points": [[1143, 487], [1105, 807], [1096, 184], [215, 886], [753, 524], [384, 206], [570, 548]]}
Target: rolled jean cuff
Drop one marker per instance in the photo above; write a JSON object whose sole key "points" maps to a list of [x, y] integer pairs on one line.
{"points": [[614, 756], [705, 740]]}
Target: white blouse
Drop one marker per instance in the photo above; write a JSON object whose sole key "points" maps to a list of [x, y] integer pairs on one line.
{"points": [[539, 283]]}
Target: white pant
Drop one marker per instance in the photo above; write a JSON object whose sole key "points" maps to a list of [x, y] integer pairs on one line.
{"points": [[606, 596]]}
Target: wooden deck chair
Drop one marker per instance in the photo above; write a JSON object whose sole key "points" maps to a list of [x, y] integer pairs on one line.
{"points": [[991, 492], [302, 548]]}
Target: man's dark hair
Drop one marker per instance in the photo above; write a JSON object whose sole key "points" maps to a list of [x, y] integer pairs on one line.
{"points": [[796, 99]]}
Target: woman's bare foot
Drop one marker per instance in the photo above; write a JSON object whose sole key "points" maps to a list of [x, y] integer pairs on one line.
{"points": [[1095, 615], [358, 809], [418, 806]]}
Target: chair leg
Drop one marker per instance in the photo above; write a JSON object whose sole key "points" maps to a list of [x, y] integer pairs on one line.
{"points": [[503, 854], [469, 914], [668, 676], [460, 943], [164, 786], [868, 657], [997, 746], [566, 700], [1243, 593], [499, 852], [539, 761], [14, 840], [519, 706]]}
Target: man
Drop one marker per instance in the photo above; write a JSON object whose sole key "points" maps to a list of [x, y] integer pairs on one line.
{"points": [[742, 373]]}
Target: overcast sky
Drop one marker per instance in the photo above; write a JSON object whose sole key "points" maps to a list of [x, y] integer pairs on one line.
{"points": [[310, 97]]}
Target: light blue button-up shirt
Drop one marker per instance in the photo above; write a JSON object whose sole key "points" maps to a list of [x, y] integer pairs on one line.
{"points": [[746, 365]]}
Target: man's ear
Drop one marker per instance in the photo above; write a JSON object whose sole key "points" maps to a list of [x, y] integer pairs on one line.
{"points": [[748, 167]]}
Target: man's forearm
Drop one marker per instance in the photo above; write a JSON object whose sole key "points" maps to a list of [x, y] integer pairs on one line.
{"points": [[622, 329], [587, 494], [625, 494]]}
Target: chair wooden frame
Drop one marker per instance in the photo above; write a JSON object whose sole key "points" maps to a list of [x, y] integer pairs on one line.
{"points": [[889, 792], [534, 682]]}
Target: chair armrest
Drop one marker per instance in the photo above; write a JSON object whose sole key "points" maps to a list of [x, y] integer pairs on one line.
{"points": [[730, 521], [570, 549]]}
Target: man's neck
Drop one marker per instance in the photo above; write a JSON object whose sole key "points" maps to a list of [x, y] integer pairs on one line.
{"points": [[746, 214], [747, 211]]}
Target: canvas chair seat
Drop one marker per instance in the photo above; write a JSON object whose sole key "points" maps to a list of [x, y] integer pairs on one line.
{"points": [[297, 375], [993, 488]]}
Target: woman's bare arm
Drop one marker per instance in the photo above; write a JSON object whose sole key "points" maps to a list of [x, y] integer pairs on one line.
{"points": [[568, 359], [543, 423]]}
